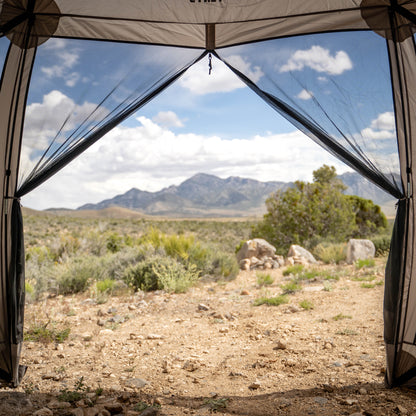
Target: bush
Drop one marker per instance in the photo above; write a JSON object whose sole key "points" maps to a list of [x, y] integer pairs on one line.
{"points": [[173, 277], [78, 273], [160, 272], [382, 244], [264, 279], [330, 253], [223, 265], [273, 301]]}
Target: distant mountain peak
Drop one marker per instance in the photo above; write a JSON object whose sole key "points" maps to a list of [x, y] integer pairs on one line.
{"points": [[207, 195]]}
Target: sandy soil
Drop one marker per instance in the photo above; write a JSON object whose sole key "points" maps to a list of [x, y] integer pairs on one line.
{"points": [[210, 350]]}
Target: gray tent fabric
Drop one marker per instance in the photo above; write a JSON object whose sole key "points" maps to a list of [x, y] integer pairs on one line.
{"points": [[208, 26]]}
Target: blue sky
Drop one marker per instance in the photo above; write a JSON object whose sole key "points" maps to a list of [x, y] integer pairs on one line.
{"points": [[206, 123]]}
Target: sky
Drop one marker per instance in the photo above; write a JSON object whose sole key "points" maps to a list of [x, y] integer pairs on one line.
{"points": [[210, 123]]}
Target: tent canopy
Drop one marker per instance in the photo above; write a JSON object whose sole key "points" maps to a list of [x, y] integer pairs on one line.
{"points": [[144, 46]]}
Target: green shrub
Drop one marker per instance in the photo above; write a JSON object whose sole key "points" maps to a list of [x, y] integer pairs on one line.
{"points": [[382, 244], [160, 272], [306, 304], [273, 301], [105, 286], [40, 333], [291, 287], [114, 242], [294, 270], [40, 254], [78, 273], [361, 263], [67, 246], [330, 253], [223, 265], [264, 279], [341, 316], [173, 277]]}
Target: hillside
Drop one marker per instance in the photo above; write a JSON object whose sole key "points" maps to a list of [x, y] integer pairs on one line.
{"points": [[205, 195]]}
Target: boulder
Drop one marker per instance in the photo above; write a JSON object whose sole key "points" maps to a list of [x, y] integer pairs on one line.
{"points": [[360, 250], [300, 255], [255, 248]]}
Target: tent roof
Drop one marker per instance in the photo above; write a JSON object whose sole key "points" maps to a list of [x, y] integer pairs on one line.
{"points": [[198, 23]]}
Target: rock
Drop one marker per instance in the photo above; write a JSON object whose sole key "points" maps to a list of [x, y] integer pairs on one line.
{"points": [[244, 264], [401, 410], [190, 366], [150, 411], [77, 412], [257, 247], [244, 292], [292, 309], [320, 400], [43, 412], [255, 385], [224, 330], [289, 261], [360, 250], [202, 307], [91, 411], [301, 253], [137, 383], [114, 408], [55, 404], [280, 345], [154, 336]]}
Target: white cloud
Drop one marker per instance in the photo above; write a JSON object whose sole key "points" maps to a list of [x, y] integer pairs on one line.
{"points": [[305, 95], [318, 59], [168, 119], [385, 121], [198, 80], [151, 157], [66, 58], [43, 120], [381, 128]]}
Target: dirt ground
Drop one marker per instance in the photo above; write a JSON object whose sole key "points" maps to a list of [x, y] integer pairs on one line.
{"points": [[211, 350]]}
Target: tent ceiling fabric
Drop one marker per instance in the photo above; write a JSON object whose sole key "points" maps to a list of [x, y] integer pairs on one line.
{"points": [[183, 22], [208, 25]]}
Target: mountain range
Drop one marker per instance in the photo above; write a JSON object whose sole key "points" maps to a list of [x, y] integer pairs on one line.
{"points": [[205, 195]]}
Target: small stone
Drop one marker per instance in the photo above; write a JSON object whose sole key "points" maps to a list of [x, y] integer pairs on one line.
{"points": [[43, 412], [321, 400], [131, 307], [293, 309], [218, 315], [55, 404], [154, 336], [150, 411], [100, 322], [402, 410], [328, 346], [280, 345], [223, 330], [77, 412], [86, 337], [202, 307], [362, 391], [245, 292], [114, 407], [255, 385], [106, 332], [137, 383], [190, 365], [91, 411]]}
